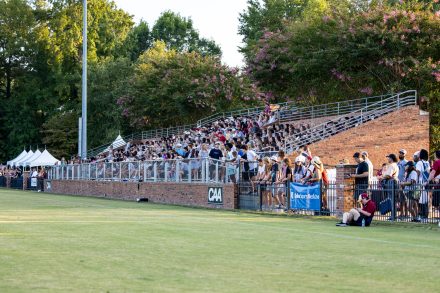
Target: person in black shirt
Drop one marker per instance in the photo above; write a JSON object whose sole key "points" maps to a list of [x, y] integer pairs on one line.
{"points": [[216, 153], [361, 176]]}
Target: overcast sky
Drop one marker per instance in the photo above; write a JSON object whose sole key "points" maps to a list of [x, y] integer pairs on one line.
{"points": [[214, 19]]}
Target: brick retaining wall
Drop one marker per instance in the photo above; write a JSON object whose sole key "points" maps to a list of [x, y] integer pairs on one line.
{"points": [[194, 194]]}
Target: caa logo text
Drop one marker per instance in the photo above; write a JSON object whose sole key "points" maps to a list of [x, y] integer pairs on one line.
{"points": [[215, 195]]}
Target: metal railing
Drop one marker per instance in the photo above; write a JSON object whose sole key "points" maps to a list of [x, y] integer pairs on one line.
{"points": [[367, 113], [180, 170], [416, 203]]}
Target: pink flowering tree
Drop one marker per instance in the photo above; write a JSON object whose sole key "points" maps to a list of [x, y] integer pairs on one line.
{"points": [[350, 53], [171, 88]]}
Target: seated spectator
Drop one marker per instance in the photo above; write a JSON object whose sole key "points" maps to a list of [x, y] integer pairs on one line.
{"points": [[355, 217]]}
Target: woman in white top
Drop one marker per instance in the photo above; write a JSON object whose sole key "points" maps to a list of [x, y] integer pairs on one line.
{"points": [[410, 191], [300, 170], [261, 172]]}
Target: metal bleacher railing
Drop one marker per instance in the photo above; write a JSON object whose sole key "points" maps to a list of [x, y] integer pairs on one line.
{"points": [[368, 112], [180, 170], [287, 112]]}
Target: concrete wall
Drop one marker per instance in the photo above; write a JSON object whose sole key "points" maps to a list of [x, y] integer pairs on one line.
{"points": [[194, 194]]}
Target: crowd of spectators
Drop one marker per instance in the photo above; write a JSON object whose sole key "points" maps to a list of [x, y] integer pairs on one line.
{"points": [[412, 186], [262, 134], [13, 172]]}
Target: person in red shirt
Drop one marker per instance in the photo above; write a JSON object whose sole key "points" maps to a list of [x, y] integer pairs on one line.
{"points": [[355, 216], [435, 172]]}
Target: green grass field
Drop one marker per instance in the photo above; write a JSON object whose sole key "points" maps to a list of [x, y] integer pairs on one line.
{"points": [[51, 243]]}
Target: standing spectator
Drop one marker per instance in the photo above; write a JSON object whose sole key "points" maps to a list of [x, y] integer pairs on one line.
{"points": [[370, 165], [42, 175], [409, 184], [389, 180], [317, 171], [299, 171], [283, 177], [215, 154], [423, 169], [274, 171], [401, 164], [264, 184], [256, 180], [361, 176], [252, 158], [435, 172]]}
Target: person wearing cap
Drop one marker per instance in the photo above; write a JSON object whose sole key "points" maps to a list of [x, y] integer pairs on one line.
{"points": [[317, 177], [401, 164], [355, 216], [299, 171], [361, 175], [409, 186]]}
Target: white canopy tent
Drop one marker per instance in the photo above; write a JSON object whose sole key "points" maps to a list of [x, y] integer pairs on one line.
{"points": [[24, 159], [119, 142], [45, 159], [32, 158], [18, 158]]}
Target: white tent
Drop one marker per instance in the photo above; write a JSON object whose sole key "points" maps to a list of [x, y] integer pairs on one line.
{"points": [[119, 141], [24, 159], [45, 159], [34, 157], [18, 158]]}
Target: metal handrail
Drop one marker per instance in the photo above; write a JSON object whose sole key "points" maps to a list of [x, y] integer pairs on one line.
{"points": [[175, 170], [360, 116]]}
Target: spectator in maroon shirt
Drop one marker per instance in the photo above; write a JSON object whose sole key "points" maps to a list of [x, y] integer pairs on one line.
{"points": [[355, 216], [433, 178]]}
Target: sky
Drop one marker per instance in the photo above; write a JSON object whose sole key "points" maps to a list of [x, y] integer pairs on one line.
{"points": [[214, 19]]}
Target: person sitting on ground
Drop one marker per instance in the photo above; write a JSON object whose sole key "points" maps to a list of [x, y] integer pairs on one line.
{"points": [[355, 217]]}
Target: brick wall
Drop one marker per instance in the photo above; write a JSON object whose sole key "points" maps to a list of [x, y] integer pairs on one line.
{"points": [[402, 129], [194, 194]]}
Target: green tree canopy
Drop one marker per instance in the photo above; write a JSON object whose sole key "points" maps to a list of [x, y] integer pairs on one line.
{"points": [[172, 88], [179, 34]]}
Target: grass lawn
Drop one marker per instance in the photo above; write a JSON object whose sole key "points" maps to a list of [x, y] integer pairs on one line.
{"points": [[51, 243]]}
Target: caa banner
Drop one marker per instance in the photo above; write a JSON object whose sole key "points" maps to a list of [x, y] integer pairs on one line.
{"points": [[305, 197]]}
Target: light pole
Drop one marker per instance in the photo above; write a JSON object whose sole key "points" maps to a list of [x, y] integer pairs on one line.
{"points": [[84, 87]]}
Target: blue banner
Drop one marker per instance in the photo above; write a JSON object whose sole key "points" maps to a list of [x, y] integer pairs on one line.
{"points": [[305, 197]]}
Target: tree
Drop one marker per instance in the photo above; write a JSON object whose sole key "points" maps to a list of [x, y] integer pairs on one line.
{"points": [[384, 49], [108, 81], [171, 88], [179, 34], [137, 41], [266, 15]]}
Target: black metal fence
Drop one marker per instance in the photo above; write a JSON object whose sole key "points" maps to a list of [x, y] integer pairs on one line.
{"points": [[276, 197], [17, 183], [2, 181], [394, 202]]}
